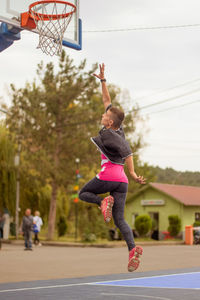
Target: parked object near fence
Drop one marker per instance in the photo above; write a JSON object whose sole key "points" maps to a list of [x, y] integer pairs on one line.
{"points": [[189, 235]]}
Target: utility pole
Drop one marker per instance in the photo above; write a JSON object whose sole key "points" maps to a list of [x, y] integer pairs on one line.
{"points": [[76, 188], [17, 162]]}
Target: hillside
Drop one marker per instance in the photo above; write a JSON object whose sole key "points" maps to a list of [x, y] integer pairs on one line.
{"points": [[172, 176]]}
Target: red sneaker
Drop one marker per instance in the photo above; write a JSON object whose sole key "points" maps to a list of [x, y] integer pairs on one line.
{"points": [[134, 256], [106, 208]]}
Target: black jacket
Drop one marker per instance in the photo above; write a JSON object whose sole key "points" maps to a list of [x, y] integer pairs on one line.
{"points": [[27, 223], [113, 145]]}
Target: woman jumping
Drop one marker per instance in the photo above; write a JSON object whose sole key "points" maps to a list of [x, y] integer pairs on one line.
{"points": [[115, 152]]}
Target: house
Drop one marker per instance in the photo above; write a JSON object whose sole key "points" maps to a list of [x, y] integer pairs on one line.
{"points": [[160, 200]]}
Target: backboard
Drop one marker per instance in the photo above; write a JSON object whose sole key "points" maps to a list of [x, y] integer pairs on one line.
{"points": [[10, 11]]}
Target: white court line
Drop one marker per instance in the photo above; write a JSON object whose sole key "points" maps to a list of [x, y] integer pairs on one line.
{"points": [[97, 283], [135, 295], [43, 287]]}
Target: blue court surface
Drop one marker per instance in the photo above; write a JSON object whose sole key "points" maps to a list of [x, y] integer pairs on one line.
{"points": [[181, 284], [174, 281]]}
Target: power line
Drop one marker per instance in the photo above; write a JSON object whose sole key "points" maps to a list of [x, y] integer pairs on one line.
{"points": [[167, 89], [172, 146], [164, 90], [169, 99], [174, 107], [176, 141], [142, 28]]}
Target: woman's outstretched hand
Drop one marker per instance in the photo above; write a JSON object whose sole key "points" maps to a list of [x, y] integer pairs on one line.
{"points": [[101, 72], [139, 179]]}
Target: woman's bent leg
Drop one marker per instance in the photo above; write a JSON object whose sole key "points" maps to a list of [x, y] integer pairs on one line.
{"points": [[90, 192]]}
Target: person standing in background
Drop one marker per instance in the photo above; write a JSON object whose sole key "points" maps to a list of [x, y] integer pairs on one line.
{"points": [[27, 227], [37, 221]]}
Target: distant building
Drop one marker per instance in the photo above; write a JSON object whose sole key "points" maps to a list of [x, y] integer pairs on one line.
{"points": [[161, 200]]}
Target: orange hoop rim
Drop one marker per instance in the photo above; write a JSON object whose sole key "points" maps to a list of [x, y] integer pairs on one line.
{"points": [[47, 17]]}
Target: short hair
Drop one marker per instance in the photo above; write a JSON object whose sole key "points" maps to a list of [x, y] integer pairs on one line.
{"points": [[117, 116]]}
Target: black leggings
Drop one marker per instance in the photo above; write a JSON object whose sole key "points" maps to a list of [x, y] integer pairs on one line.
{"points": [[90, 193], [36, 238]]}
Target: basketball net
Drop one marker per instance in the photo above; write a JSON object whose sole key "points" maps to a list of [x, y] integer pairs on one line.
{"points": [[51, 20]]}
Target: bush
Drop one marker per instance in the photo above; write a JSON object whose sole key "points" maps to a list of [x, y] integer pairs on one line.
{"points": [[89, 237], [143, 224], [62, 226], [91, 222], [12, 229], [196, 224], [174, 225]]}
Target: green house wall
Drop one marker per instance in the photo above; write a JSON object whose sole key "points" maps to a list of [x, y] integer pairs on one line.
{"points": [[189, 214], [171, 207]]}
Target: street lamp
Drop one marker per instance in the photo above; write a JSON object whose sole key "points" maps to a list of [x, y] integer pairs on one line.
{"points": [[76, 188], [17, 162]]}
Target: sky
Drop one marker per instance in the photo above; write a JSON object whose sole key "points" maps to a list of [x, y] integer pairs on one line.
{"points": [[159, 68]]}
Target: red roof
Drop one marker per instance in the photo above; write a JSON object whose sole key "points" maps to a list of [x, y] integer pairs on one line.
{"points": [[188, 195]]}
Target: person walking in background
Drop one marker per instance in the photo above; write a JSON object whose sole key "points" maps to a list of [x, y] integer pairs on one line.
{"points": [[27, 227], [37, 223]]}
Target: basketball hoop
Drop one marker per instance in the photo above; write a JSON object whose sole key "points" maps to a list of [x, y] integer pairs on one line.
{"points": [[51, 18]]}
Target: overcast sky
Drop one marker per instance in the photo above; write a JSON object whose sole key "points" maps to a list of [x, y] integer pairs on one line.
{"points": [[154, 65]]}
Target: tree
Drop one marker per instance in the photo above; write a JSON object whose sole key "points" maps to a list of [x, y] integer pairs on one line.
{"points": [[53, 119], [62, 226], [7, 171], [172, 176]]}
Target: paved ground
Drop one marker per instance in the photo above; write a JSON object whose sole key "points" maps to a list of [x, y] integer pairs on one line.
{"points": [[158, 285], [45, 263]]}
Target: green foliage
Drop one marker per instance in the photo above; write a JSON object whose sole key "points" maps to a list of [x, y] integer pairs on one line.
{"points": [[53, 118], [62, 226], [63, 203], [89, 237], [143, 224], [172, 176], [141, 169], [196, 224], [174, 225], [7, 170], [91, 222], [33, 193], [12, 229]]}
